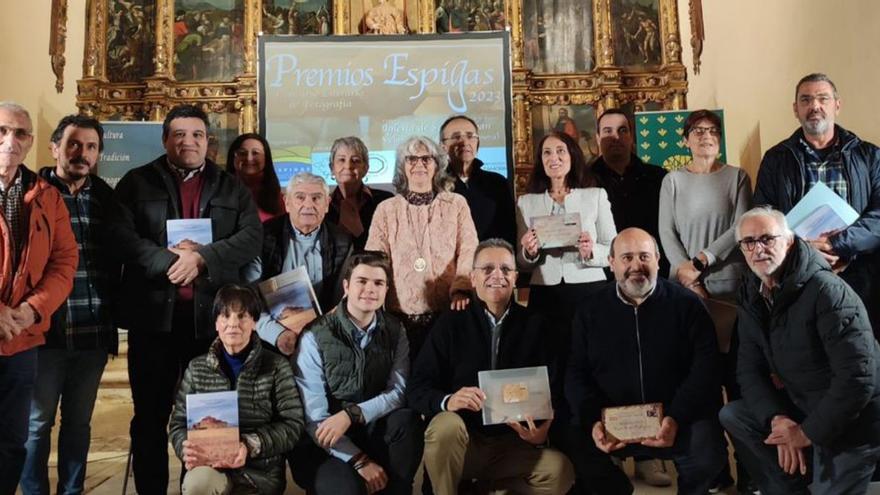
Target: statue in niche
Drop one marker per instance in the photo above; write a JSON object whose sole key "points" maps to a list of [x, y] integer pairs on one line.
{"points": [[385, 18]]}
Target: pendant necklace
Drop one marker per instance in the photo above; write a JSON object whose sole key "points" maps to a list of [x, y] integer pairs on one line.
{"points": [[420, 264]]}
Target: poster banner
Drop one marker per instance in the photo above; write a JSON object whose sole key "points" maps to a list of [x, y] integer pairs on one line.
{"points": [[128, 145], [659, 138]]}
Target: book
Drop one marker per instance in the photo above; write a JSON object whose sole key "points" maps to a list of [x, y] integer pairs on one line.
{"points": [[212, 423], [513, 394], [197, 230], [291, 299], [819, 212]]}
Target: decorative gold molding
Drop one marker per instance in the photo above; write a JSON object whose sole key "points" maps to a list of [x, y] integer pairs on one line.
{"points": [[698, 31], [604, 43], [57, 41], [341, 16], [671, 46]]}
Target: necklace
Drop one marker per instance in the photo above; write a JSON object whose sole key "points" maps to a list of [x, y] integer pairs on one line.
{"points": [[420, 264]]}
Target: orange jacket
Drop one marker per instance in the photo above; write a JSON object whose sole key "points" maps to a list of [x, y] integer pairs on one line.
{"points": [[48, 261]]}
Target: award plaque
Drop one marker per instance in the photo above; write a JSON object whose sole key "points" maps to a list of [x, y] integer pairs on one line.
{"points": [[632, 424], [514, 394], [556, 231]]}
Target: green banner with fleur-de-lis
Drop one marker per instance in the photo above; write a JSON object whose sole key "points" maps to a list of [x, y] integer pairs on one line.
{"points": [[659, 138]]}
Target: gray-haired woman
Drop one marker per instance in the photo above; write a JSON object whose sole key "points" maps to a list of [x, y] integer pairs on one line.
{"points": [[428, 233]]}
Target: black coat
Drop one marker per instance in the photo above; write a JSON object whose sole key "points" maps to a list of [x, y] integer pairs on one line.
{"points": [[458, 347], [336, 246], [366, 212], [817, 340], [491, 202], [149, 196], [663, 351]]}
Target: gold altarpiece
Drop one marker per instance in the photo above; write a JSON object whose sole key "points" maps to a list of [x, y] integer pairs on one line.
{"points": [[570, 58]]}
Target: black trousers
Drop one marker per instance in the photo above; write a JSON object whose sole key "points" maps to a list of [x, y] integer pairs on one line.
{"points": [[156, 362], [394, 441]]}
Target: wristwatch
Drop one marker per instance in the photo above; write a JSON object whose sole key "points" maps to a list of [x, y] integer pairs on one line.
{"points": [[698, 264]]}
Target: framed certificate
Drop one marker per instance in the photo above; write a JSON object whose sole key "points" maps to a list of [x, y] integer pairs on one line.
{"points": [[631, 424], [556, 231], [513, 394]]}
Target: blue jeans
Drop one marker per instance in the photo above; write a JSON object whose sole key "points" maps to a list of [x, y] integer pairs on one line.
{"points": [[73, 377], [842, 472], [17, 375]]}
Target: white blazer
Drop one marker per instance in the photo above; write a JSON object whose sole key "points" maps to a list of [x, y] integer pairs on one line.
{"points": [[595, 210]]}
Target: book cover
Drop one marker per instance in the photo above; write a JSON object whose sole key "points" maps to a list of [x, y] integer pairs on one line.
{"points": [[513, 394], [212, 423], [820, 211], [197, 230], [291, 299]]}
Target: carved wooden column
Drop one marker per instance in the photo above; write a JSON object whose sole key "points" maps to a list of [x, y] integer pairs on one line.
{"points": [[341, 16], [246, 84], [609, 75], [158, 86], [671, 49], [94, 58]]}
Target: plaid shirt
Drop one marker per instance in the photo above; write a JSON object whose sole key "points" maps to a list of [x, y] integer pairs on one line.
{"points": [[12, 200], [88, 322], [827, 169]]}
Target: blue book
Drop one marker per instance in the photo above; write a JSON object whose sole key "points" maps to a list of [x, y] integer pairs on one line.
{"points": [[820, 211], [212, 423], [197, 230]]}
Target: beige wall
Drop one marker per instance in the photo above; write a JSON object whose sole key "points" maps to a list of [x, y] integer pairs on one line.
{"points": [[754, 53], [756, 50]]}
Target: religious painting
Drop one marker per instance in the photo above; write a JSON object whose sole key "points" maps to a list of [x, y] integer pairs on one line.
{"points": [[208, 39], [297, 17], [222, 131], [558, 36], [130, 45], [636, 33], [578, 121], [384, 17], [461, 16]]}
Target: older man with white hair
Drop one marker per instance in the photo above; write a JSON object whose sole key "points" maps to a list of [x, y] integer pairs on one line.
{"points": [[809, 368], [303, 238]]}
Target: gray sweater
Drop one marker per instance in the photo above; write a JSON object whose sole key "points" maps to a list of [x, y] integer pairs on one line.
{"points": [[698, 212]]}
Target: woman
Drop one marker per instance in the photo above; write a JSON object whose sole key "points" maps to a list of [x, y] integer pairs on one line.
{"points": [[250, 159], [270, 414], [353, 204], [562, 184], [428, 233]]}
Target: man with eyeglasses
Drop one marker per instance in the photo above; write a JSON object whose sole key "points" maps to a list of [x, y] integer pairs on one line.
{"points": [[823, 151], [492, 332], [37, 264], [809, 368], [488, 194]]}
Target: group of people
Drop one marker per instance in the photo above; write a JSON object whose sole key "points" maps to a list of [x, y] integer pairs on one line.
{"points": [[675, 289]]}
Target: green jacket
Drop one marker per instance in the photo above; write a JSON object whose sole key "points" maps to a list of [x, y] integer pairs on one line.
{"points": [[269, 409]]}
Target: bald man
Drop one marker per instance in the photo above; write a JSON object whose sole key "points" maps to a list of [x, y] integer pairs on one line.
{"points": [[639, 340]]}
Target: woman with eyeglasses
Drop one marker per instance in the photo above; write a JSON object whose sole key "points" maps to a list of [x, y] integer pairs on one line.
{"points": [[428, 233], [699, 206], [250, 159], [352, 204]]}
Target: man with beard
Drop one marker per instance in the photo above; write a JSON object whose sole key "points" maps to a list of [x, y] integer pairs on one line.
{"points": [[645, 340], [633, 186], [809, 368], [822, 151], [81, 333]]}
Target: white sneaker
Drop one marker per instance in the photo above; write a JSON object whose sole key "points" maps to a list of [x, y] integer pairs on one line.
{"points": [[653, 472]]}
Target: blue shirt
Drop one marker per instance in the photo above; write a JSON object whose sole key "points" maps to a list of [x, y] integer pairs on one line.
{"points": [[309, 374]]}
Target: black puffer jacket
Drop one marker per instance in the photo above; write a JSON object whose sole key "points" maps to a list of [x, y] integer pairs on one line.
{"points": [[817, 340], [268, 407]]}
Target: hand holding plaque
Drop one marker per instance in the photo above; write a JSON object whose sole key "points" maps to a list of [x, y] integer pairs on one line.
{"points": [[557, 231], [632, 424]]}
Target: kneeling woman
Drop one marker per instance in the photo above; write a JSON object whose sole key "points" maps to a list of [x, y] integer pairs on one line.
{"points": [[270, 413]]}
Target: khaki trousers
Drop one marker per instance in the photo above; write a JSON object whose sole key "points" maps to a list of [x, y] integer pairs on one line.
{"points": [[501, 464], [205, 480]]}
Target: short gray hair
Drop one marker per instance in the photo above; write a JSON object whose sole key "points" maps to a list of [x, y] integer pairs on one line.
{"points": [[354, 144], [816, 77], [768, 212], [307, 178], [493, 242], [441, 181], [14, 107]]}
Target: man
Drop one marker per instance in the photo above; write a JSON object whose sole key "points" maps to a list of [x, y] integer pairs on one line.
{"points": [[82, 332], [565, 124], [37, 265], [809, 368], [488, 194], [352, 366], [822, 151], [167, 292], [303, 238], [493, 332], [643, 340], [633, 186]]}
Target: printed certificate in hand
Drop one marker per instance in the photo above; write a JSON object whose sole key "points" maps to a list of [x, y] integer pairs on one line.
{"points": [[556, 231], [632, 424], [513, 394]]}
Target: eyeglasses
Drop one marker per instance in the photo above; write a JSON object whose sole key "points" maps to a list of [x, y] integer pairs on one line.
{"points": [[490, 269], [701, 131], [766, 241], [20, 133], [414, 159], [459, 136]]}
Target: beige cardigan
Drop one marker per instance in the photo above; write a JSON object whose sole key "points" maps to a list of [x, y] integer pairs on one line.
{"points": [[448, 247]]}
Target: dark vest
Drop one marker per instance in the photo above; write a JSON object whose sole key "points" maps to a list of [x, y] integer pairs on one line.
{"points": [[353, 374]]}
